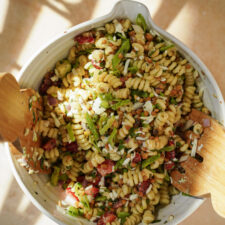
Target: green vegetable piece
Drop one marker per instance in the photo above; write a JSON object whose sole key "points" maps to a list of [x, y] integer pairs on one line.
{"points": [[100, 198], [84, 201], [106, 97], [141, 94], [105, 104], [140, 20], [107, 125], [100, 212], [167, 177], [63, 67], [133, 69], [112, 137], [122, 216], [167, 148], [72, 211], [121, 146], [173, 101], [163, 49], [149, 161], [70, 132], [55, 176], [125, 47], [63, 177], [85, 52], [91, 126], [102, 119], [120, 103], [119, 163], [76, 64]]}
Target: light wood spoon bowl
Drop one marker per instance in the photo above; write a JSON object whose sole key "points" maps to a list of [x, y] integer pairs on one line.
{"points": [[208, 176], [18, 117]]}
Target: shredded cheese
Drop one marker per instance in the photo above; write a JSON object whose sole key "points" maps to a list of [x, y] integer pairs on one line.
{"points": [[126, 66], [194, 147]]}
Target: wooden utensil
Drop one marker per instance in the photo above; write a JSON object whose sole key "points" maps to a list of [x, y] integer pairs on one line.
{"points": [[19, 113], [207, 176]]}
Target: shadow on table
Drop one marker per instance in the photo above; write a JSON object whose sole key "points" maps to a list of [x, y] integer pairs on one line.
{"points": [[19, 21], [24, 14]]}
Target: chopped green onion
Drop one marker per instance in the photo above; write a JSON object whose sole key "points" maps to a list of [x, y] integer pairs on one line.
{"points": [[100, 198], [162, 49], [70, 132], [149, 161], [141, 94], [55, 176], [102, 119], [173, 101], [76, 64], [140, 20], [107, 125], [72, 211], [105, 104], [121, 146], [121, 103], [91, 126], [125, 47], [63, 177], [100, 212], [119, 163], [112, 136], [133, 69], [122, 216], [167, 148]]}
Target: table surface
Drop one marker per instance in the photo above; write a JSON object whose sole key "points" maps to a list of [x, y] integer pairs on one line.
{"points": [[27, 25]]}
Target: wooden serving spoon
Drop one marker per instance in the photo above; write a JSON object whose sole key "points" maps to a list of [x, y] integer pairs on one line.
{"points": [[208, 176], [20, 110]]}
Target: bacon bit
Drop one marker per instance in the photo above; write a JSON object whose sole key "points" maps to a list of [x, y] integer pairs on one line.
{"points": [[123, 79], [119, 203], [50, 144], [147, 59], [149, 37], [146, 113], [72, 147], [144, 186], [127, 127], [106, 167], [170, 155], [107, 218], [82, 39], [139, 111], [137, 158], [169, 165], [132, 33], [144, 155], [93, 191], [188, 66]]}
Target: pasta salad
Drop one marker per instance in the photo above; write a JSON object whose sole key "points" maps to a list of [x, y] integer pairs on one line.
{"points": [[115, 122]]}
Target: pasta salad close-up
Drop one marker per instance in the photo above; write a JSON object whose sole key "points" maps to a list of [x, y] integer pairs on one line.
{"points": [[115, 123]]}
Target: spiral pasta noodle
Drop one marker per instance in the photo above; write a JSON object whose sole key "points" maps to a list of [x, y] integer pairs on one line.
{"points": [[127, 124], [138, 83]]}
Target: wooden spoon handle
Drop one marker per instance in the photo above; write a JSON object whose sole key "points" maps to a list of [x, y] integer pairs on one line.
{"points": [[12, 108]]}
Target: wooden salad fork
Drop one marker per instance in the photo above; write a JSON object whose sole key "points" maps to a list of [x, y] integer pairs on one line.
{"points": [[19, 112], [208, 176]]}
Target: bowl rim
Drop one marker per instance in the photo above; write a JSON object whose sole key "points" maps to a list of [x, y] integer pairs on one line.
{"points": [[118, 4]]}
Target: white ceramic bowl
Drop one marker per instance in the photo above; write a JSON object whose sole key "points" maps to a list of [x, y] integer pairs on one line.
{"points": [[32, 74]]}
